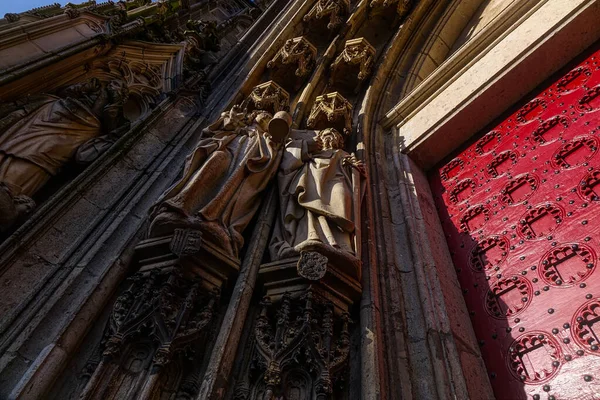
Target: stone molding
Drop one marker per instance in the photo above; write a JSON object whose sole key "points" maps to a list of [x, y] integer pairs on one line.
{"points": [[561, 28]]}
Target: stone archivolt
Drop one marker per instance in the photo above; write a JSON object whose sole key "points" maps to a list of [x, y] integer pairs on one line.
{"points": [[328, 109], [298, 51], [336, 10], [268, 96]]}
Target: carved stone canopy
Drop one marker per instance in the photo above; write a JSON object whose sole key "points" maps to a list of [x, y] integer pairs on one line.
{"points": [[301, 332], [403, 5], [297, 51], [357, 52], [334, 9], [331, 110], [268, 96]]}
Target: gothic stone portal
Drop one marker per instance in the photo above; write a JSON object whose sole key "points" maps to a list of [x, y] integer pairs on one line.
{"points": [[520, 208]]}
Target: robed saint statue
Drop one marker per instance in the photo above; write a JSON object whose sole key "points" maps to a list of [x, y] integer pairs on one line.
{"points": [[319, 191], [223, 179]]}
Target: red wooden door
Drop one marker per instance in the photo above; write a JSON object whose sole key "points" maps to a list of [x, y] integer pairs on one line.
{"points": [[520, 208]]}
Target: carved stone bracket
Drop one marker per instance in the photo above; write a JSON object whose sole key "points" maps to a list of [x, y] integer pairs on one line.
{"points": [[331, 109], [268, 96], [297, 51], [334, 9], [403, 6], [301, 333], [357, 52]]}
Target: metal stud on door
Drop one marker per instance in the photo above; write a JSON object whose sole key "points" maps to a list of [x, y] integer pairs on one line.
{"points": [[520, 208]]}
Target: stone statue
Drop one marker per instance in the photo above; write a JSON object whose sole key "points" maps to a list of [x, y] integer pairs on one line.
{"points": [[317, 185], [40, 137], [223, 179]]}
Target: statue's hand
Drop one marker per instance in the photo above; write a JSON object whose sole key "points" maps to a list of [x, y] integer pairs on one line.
{"points": [[354, 162]]}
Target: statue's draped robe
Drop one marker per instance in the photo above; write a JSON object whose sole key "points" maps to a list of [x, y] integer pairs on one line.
{"points": [[35, 147], [316, 201], [222, 183]]}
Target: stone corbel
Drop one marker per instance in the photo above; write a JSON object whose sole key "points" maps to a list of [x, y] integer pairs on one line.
{"points": [[357, 52], [268, 96], [331, 109], [297, 51], [334, 9]]}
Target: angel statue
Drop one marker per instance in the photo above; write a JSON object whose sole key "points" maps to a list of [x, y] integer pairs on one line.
{"points": [[224, 177]]}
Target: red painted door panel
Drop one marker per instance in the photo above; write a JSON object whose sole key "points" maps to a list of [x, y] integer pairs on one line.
{"points": [[520, 208]]}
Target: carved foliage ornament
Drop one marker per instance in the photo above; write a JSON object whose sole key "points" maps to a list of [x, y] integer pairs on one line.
{"points": [[312, 265], [334, 9], [267, 96], [297, 51], [356, 52], [305, 334], [329, 108]]}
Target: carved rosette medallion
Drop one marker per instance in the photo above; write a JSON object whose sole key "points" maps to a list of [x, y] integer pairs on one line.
{"points": [[334, 9], [312, 265], [268, 96], [328, 108], [356, 52], [297, 51]]}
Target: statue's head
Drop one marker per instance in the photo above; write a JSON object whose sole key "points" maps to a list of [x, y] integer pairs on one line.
{"points": [[118, 91], [330, 139], [262, 119]]}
